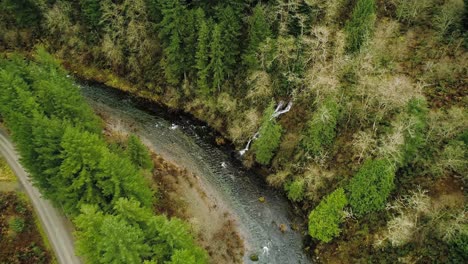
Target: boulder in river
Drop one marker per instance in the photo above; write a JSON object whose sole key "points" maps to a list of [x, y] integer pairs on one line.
{"points": [[283, 228], [254, 257]]}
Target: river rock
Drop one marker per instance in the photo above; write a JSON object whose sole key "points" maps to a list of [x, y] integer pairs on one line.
{"points": [[283, 227], [254, 257], [220, 141]]}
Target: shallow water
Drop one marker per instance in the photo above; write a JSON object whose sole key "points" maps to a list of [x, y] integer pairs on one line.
{"points": [[187, 143]]}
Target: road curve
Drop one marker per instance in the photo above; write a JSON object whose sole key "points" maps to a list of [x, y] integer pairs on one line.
{"points": [[54, 223]]}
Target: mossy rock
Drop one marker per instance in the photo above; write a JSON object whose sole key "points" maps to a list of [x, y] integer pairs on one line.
{"points": [[283, 228], [254, 257], [220, 141]]}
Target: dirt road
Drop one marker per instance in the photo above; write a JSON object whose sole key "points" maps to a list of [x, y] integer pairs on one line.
{"points": [[56, 225]]}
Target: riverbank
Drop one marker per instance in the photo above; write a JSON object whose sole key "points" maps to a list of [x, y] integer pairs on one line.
{"points": [[219, 135], [182, 194], [225, 183], [108, 78]]}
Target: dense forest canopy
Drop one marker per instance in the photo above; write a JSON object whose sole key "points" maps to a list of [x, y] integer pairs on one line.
{"points": [[60, 143], [373, 150]]}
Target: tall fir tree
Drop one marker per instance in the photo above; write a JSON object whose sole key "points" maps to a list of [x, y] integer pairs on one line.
{"points": [[108, 238], [170, 32], [259, 31], [46, 138], [124, 180], [189, 42], [202, 56], [269, 137], [92, 13], [138, 153], [361, 24], [231, 30], [77, 181], [217, 55]]}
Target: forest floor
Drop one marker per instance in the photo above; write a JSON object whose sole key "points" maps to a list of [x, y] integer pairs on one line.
{"points": [[182, 194], [446, 194], [8, 182], [21, 237]]}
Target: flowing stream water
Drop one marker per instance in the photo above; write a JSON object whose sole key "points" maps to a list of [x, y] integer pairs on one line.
{"points": [[188, 144]]}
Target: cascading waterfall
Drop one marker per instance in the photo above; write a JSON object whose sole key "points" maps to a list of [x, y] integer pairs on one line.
{"points": [[275, 114]]}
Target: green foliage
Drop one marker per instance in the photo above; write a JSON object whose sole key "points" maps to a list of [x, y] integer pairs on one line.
{"points": [[231, 30], [124, 180], [152, 238], [46, 136], [269, 137], [465, 17], [371, 186], [92, 13], [202, 55], [108, 239], [138, 153], [449, 18], [325, 219], [413, 11], [56, 93], [259, 31], [454, 159], [81, 154], [16, 224], [360, 26], [59, 140], [459, 247], [276, 49], [89, 174], [183, 257], [189, 42], [217, 57], [321, 129], [415, 137], [170, 32], [24, 13], [295, 190]]}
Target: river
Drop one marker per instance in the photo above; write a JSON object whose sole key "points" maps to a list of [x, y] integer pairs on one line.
{"points": [[188, 144]]}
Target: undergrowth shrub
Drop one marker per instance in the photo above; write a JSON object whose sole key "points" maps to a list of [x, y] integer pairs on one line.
{"points": [[278, 179], [295, 190], [16, 224], [361, 24], [321, 129], [138, 153], [414, 134], [370, 187], [413, 11], [409, 210], [454, 158], [448, 19], [325, 219]]}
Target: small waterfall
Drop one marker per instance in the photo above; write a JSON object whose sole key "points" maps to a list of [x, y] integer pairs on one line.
{"points": [[278, 111], [255, 136]]}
